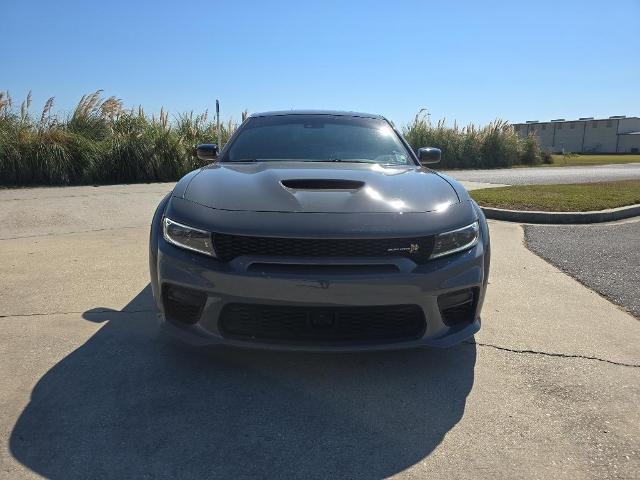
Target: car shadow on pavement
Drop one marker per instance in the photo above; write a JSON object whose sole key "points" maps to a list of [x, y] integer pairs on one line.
{"points": [[131, 403]]}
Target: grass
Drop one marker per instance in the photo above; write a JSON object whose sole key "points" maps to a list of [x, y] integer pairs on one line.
{"points": [[580, 197], [574, 160], [100, 142], [103, 142], [495, 145]]}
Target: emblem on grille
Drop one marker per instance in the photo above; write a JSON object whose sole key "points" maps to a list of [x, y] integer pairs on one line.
{"points": [[412, 248]]}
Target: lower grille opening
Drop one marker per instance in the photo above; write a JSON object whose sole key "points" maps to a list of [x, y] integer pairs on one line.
{"points": [[322, 325], [458, 307], [183, 304]]}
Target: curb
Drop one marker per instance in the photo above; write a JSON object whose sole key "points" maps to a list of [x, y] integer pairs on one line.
{"points": [[524, 216]]}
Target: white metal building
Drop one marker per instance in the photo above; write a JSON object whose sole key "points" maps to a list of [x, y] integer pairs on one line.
{"points": [[617, 134]]}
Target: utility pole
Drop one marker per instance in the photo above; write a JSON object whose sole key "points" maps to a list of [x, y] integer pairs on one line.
{"points": [[218, 139]]}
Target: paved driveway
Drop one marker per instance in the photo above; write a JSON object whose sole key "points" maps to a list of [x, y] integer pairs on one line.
{"points": [[90, 389], [605, 257], [550, 175]]}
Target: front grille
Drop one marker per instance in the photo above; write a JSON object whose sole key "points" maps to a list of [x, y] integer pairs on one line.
{"points": [[229, 247], [322, 325]]}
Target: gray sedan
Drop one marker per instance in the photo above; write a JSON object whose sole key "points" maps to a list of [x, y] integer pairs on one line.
{"points": [[319, 231]]}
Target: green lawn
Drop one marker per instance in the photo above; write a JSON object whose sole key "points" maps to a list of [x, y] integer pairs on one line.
{"points": [[565, 161], [579, 197]]}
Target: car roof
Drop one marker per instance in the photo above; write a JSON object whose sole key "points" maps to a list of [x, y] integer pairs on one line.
{"points": [[316, 112]]}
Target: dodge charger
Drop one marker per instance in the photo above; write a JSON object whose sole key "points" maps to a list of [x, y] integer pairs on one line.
{"points": [[314, 230]]}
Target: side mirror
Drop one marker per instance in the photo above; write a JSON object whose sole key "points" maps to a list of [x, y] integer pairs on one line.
{"points": [[428, 155], [207, 152]]}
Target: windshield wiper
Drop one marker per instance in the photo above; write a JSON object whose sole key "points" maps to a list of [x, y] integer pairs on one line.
{"points": [[252, 160], [329, 160]]}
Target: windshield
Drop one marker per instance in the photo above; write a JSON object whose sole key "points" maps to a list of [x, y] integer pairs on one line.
{"points": [[319, 138]]}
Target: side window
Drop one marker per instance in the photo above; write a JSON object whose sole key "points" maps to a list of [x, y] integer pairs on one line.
{"points": [[594, 124]]}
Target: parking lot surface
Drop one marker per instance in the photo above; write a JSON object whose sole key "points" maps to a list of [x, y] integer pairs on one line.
{"points": [[604, 257], [550, 175], [91, 389]]}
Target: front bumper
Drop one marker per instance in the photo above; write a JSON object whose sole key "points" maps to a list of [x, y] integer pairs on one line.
{"points": [[233, 282]]}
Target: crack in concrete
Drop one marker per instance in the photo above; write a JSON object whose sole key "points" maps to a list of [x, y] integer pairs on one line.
{"points": [[468, 342], [552, 354], [58, 234], [87, 312]]}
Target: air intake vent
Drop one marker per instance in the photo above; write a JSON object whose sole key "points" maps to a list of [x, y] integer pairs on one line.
{"points": [[183, 304], [322, 184], [458, 307]]}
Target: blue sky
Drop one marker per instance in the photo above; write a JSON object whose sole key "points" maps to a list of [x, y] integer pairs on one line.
{"points": [[471, 61]]}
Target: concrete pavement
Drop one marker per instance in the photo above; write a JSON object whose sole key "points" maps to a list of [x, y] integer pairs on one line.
{"points": [[603, 257], [550, 175], [91, 389], [478, 185]]}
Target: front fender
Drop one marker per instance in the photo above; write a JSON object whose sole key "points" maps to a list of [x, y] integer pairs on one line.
{"points": [[154, 233], [486, 239]]}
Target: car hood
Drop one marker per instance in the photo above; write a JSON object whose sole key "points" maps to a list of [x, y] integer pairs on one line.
{"points": [[319, 188]]}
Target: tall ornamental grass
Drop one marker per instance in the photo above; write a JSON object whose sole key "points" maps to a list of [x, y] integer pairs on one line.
{"points": [[495, 145], [102, 142], [99, 142]]}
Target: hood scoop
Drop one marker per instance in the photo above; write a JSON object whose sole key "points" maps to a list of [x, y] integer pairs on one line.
{"points": [[322, 184]]}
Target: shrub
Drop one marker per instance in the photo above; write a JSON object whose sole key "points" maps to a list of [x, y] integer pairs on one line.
{"points": [[493, 146], [99, 142], [102, 142], [531, 153]]}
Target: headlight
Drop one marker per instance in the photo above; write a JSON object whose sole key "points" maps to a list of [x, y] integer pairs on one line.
{"points": [[187, 237], [456, 240]]}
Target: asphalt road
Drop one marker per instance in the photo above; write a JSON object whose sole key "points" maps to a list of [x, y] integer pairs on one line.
{"points": [[550, 175], [604, 257], [89, 388]]}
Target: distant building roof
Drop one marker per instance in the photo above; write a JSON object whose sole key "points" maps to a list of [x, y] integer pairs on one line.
{"points": [[582, 119]]}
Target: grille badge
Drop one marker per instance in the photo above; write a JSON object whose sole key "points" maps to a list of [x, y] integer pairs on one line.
{"points": [[412, 248]]}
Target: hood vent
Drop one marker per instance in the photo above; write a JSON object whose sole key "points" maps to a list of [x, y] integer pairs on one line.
{"points": [[322, 184]]}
